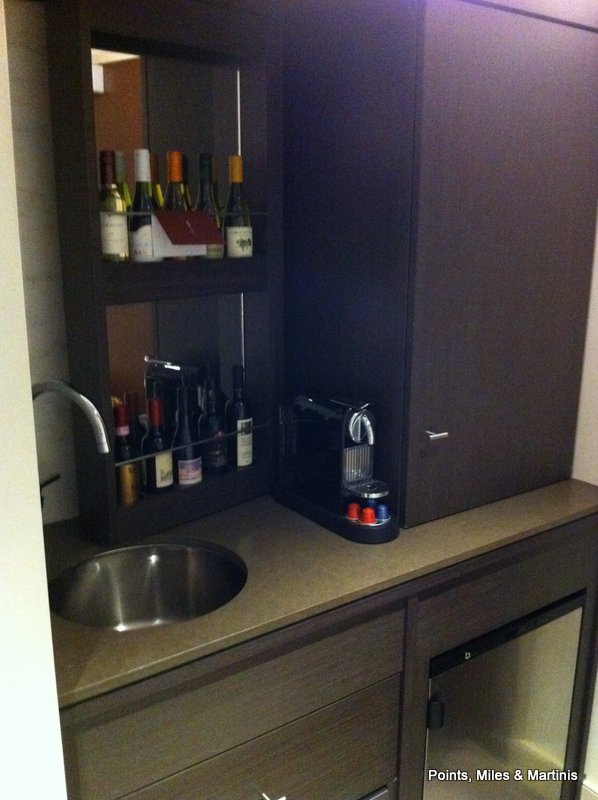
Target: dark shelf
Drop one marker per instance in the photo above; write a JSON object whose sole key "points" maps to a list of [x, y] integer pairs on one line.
{"points": [[155, 513], [170, 279]]}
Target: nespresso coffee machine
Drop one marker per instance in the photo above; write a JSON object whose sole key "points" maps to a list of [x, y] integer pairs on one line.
{"points": [[327, 468]]}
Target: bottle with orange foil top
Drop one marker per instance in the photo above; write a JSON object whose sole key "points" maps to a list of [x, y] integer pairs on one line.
{"points": [[237, 223]]}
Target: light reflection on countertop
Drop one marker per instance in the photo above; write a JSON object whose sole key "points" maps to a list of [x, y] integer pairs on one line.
{"points": [[296, 569]]}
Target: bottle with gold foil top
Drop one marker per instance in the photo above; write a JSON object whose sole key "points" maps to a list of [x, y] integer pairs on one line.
{"points": [[128, 475], [113, 213], [175, 198], [237, 223]]}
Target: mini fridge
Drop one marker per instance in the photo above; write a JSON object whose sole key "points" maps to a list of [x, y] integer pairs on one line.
{"points": [[499, 709]]}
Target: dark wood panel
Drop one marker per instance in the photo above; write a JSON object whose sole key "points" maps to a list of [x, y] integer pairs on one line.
{"points": [[214, 707], [211, 32], [170, 279], [508, 177], [483, 594], [348, 163], [574, 12], [345, 751]]}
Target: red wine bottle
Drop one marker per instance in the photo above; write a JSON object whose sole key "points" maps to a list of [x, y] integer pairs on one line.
{"points": [[239, 421], [186, 453], [158, 475], [212, 429]]}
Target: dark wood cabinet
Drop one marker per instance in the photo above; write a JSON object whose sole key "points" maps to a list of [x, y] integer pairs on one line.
{"points": [[334, 707], [439, 227], [211, 81], [479, 596], [308, 711]]}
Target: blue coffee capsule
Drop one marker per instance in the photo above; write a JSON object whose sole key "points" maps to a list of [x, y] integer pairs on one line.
{"points": [[382, 513]]}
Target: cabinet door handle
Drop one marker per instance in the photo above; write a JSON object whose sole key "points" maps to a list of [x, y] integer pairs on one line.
{"points": [[432, 436]]}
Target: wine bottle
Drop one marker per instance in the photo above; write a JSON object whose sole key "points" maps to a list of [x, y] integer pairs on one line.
{"points": [[136, 430], [121, 177], [140, 220], [127, 475], [206, 202], [185, 453], [175, 198], [212, 429], [158, 475], [113, 213], [186, 190], [237, 224], [239, 421], [157, 195], [215, 188]]}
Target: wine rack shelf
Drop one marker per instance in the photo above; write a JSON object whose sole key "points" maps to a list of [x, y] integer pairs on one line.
{"points": [[171, 279]]}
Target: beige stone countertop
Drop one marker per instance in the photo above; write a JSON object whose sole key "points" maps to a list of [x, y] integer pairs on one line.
{"points": [[296, 569]]}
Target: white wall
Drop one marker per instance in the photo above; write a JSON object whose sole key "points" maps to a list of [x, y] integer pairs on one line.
{"points": [[585, 467], [30, 756], [42, 281]]}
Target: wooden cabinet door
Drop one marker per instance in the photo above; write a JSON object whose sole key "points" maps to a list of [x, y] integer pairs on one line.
{"points": [[577, 12], [505, 221]]}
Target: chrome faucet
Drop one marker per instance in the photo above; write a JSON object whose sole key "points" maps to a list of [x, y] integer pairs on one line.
{"points": [[88, 408]]}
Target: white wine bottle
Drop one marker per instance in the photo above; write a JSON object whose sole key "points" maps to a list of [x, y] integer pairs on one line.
{"points": [[140, 220], [113, 213], [175, 198], [237, 223], [206, 202], [157, 195], [121, 177]]}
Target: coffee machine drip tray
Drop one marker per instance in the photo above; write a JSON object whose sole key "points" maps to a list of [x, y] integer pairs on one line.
{"points": [[369, 490]]}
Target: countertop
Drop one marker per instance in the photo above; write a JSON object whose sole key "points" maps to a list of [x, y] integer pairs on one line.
{"points": [[296, 569]]}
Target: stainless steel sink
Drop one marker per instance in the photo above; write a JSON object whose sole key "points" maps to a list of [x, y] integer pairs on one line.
{"points": [[148, 585]]}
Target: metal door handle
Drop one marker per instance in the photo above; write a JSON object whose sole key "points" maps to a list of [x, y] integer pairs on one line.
{"points": [[432, 436]]}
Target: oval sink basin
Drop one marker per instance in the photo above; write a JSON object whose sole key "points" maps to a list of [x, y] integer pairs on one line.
{"points": [[147, 585]]}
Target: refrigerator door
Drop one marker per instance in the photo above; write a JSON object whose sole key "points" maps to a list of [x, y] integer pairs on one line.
{"points": [[498, 716]]}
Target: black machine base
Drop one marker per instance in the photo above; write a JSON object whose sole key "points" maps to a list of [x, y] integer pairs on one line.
{"points": [[362, 534]]}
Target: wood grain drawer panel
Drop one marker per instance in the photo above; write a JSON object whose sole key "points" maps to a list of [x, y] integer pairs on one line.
{"points": [[342, 752], [143, 740], [501, 595]]}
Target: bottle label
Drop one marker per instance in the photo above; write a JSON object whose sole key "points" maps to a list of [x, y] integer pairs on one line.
{"points": [[239, 241], [189, 472], [244, 442], [128, 484], [216, 453], [163, 465], [141, 243], [115, 235], [214, 250]]}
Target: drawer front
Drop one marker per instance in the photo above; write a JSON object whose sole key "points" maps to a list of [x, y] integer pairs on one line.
{"points": [[477, 605], [343, 752], [142, 740]]}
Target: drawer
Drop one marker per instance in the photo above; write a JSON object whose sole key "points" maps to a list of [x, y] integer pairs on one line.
{"points": [[342, 752], [499, 595], [141, 734]]}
